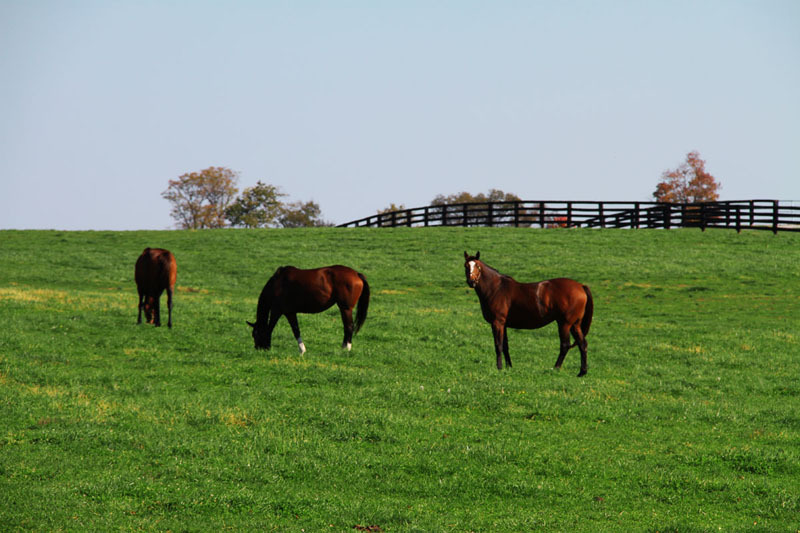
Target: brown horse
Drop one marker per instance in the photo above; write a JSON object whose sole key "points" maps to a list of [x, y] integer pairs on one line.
{"points": [[291, 290], [506, 303], [156, 270]]}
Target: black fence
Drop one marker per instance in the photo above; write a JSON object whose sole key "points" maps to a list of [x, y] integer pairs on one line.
{"points": [[745, 214]]}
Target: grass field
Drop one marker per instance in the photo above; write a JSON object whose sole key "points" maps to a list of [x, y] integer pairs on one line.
{"points": [[688, 421]]}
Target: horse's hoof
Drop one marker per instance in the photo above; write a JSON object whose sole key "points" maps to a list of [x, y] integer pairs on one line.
{"points": [[582, 373]]}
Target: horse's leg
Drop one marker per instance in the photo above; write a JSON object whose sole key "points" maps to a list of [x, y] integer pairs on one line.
{"points": [[505, 347], [274, 315], [157, 310], [169, 306], [292, 318], [580, 340], [347, 322], [498, 329], [563, 334], [141, 305]]}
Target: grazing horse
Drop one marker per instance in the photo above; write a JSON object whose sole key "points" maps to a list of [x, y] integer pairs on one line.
{"points": [[291, 290], [156, 270], [506, 303]]}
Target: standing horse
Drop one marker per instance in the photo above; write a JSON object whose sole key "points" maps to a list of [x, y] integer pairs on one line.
{"points": [[156, 270], [291, 290], [506, 303]]}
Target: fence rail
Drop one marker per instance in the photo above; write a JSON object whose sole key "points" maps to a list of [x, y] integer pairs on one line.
{"points": [[741, 214]]}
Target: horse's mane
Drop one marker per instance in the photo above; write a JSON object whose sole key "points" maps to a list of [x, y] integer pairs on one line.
{"points": [[265, 298], [495, 271]]}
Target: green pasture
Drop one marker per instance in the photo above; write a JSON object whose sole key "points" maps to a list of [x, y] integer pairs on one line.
{"points": [[688, 421]]}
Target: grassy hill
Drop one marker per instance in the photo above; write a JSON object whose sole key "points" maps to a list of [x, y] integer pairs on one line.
{"points": [[689, 418]]}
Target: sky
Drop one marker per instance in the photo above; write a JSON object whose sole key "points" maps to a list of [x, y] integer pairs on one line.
{"points": [[356, 105]]}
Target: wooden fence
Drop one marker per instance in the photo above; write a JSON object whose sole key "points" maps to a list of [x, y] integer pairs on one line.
{"points": [[738, 215]]}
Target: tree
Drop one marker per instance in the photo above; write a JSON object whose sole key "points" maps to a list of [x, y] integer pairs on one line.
{"points": [[257, 207], [477, 215], [199, 199], [391, 208], [390, 221], [495, 195], [689, 183], [300, 214]]}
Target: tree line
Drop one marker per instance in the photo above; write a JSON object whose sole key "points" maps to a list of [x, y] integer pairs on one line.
{"points": [[689, 183], [210, 198]]}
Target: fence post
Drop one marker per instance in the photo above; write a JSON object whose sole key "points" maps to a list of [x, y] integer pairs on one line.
{"points": [[775, 216], [516, 214], [703, 216], [602, 216], [464, 210], [425, 217], [752, 212], [569, 214], [541, 214], [489, 214], [636, 207], [738, 219]]}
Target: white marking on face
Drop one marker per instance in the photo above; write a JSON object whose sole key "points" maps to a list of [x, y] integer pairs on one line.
{"points": [[472, 268]]}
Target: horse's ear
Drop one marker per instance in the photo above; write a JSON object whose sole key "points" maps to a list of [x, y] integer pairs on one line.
{"points": [[250, 324], [477, 255], [466, 255]]}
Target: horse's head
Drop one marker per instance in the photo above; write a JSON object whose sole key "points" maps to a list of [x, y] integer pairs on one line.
{"points": [[260, 336], [472, 268]]}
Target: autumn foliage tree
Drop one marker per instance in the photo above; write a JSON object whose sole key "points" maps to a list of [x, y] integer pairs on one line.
{"points": [[199, 199], [689, 183]]}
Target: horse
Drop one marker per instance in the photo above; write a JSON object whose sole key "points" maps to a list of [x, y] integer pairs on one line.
{"points": [[507, 303], [156, 270], [292, 290]]}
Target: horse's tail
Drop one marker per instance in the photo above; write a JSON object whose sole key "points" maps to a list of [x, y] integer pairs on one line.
{"points": [[363, 304], [588, 311]]}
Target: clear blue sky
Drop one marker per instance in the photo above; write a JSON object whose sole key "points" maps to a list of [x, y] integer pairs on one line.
{"points": [[358, 104]]}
